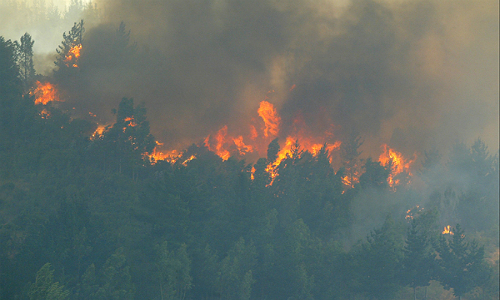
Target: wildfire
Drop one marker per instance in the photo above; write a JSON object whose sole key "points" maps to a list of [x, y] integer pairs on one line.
{"points": [[45, 114], [98, 132], [219, 144], [271, 118], [351, 180], [73, 55], [399, 165], [447, 230], [225, 144], [45, 93], [411, 212], [284, 153], [170, 156], [130, 121]]}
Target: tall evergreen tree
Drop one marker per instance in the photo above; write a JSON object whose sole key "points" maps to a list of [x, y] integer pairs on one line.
{"points": [[25, 61], [418, 264], [461, 262]]}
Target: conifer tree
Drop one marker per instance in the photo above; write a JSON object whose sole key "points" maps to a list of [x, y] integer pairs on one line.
{"points": [[462, 263], [418, 264], [25, 61]]}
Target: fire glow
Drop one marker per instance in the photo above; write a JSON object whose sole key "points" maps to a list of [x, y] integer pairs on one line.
{"points": [[45, 92], [263, 130], [399, 165], [447, 230], [259, 135], [73, 55]]}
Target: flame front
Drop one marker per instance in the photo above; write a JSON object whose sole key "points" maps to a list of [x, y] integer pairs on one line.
{"points": [[45, 92]]}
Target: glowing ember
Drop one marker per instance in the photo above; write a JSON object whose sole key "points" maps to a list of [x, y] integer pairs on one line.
{"points": [[169, 156], [45, 92], [399, 164], [98, 132], [130, 121], [410, 214], [73, 56], [184, 163], [350, 180], [45, 114], [271, 118], [447, 230]]}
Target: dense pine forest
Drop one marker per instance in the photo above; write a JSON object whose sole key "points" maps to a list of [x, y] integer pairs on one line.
{"points": [[89, 213]]}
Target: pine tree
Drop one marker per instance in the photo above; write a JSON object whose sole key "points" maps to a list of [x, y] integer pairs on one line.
{"points": [[70, 40], [25, 61], [462, 263], [45, 287], [418, 264]]}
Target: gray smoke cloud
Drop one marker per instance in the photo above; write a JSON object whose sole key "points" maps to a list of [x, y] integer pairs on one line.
{"points": [[414, 74]]}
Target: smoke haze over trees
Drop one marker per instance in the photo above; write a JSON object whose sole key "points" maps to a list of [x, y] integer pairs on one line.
{"points": [[417, 74]]}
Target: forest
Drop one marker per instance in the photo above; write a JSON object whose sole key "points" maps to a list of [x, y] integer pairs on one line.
{"points": [[86, 212]]}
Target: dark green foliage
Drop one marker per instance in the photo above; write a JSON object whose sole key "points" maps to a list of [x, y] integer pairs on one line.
{"points": [[380, 261], [116, 281], [122, 145], [174, 268], [461, 262], [45, 288], [25, 61], [375, 175], [418, 265], [272, 150]]}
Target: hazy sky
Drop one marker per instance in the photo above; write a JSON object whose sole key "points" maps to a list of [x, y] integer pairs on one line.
{"points": [[412, 73]]}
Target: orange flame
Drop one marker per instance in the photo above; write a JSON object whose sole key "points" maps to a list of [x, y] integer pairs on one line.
{"points": [[282, 154], [271, 118], [157, 155], [447, 230], [399, 164], [130, 121], [242, 148], [410, 214], [98, 132], [45, 93], [73, 55], [219, 146]]}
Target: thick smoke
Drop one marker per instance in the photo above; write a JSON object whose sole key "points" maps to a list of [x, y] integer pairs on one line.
{"points": [[414, 74]]}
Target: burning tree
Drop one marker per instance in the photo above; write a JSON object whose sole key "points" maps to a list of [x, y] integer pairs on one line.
{"points": [[69, 50], [124, 143]]}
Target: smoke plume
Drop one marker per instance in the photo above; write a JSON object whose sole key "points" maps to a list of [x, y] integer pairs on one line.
{"points": [[415, 74]]}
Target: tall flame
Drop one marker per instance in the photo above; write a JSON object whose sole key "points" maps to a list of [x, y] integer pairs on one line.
{"points": [[220, 141], [271, 118], [45, 92]]}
